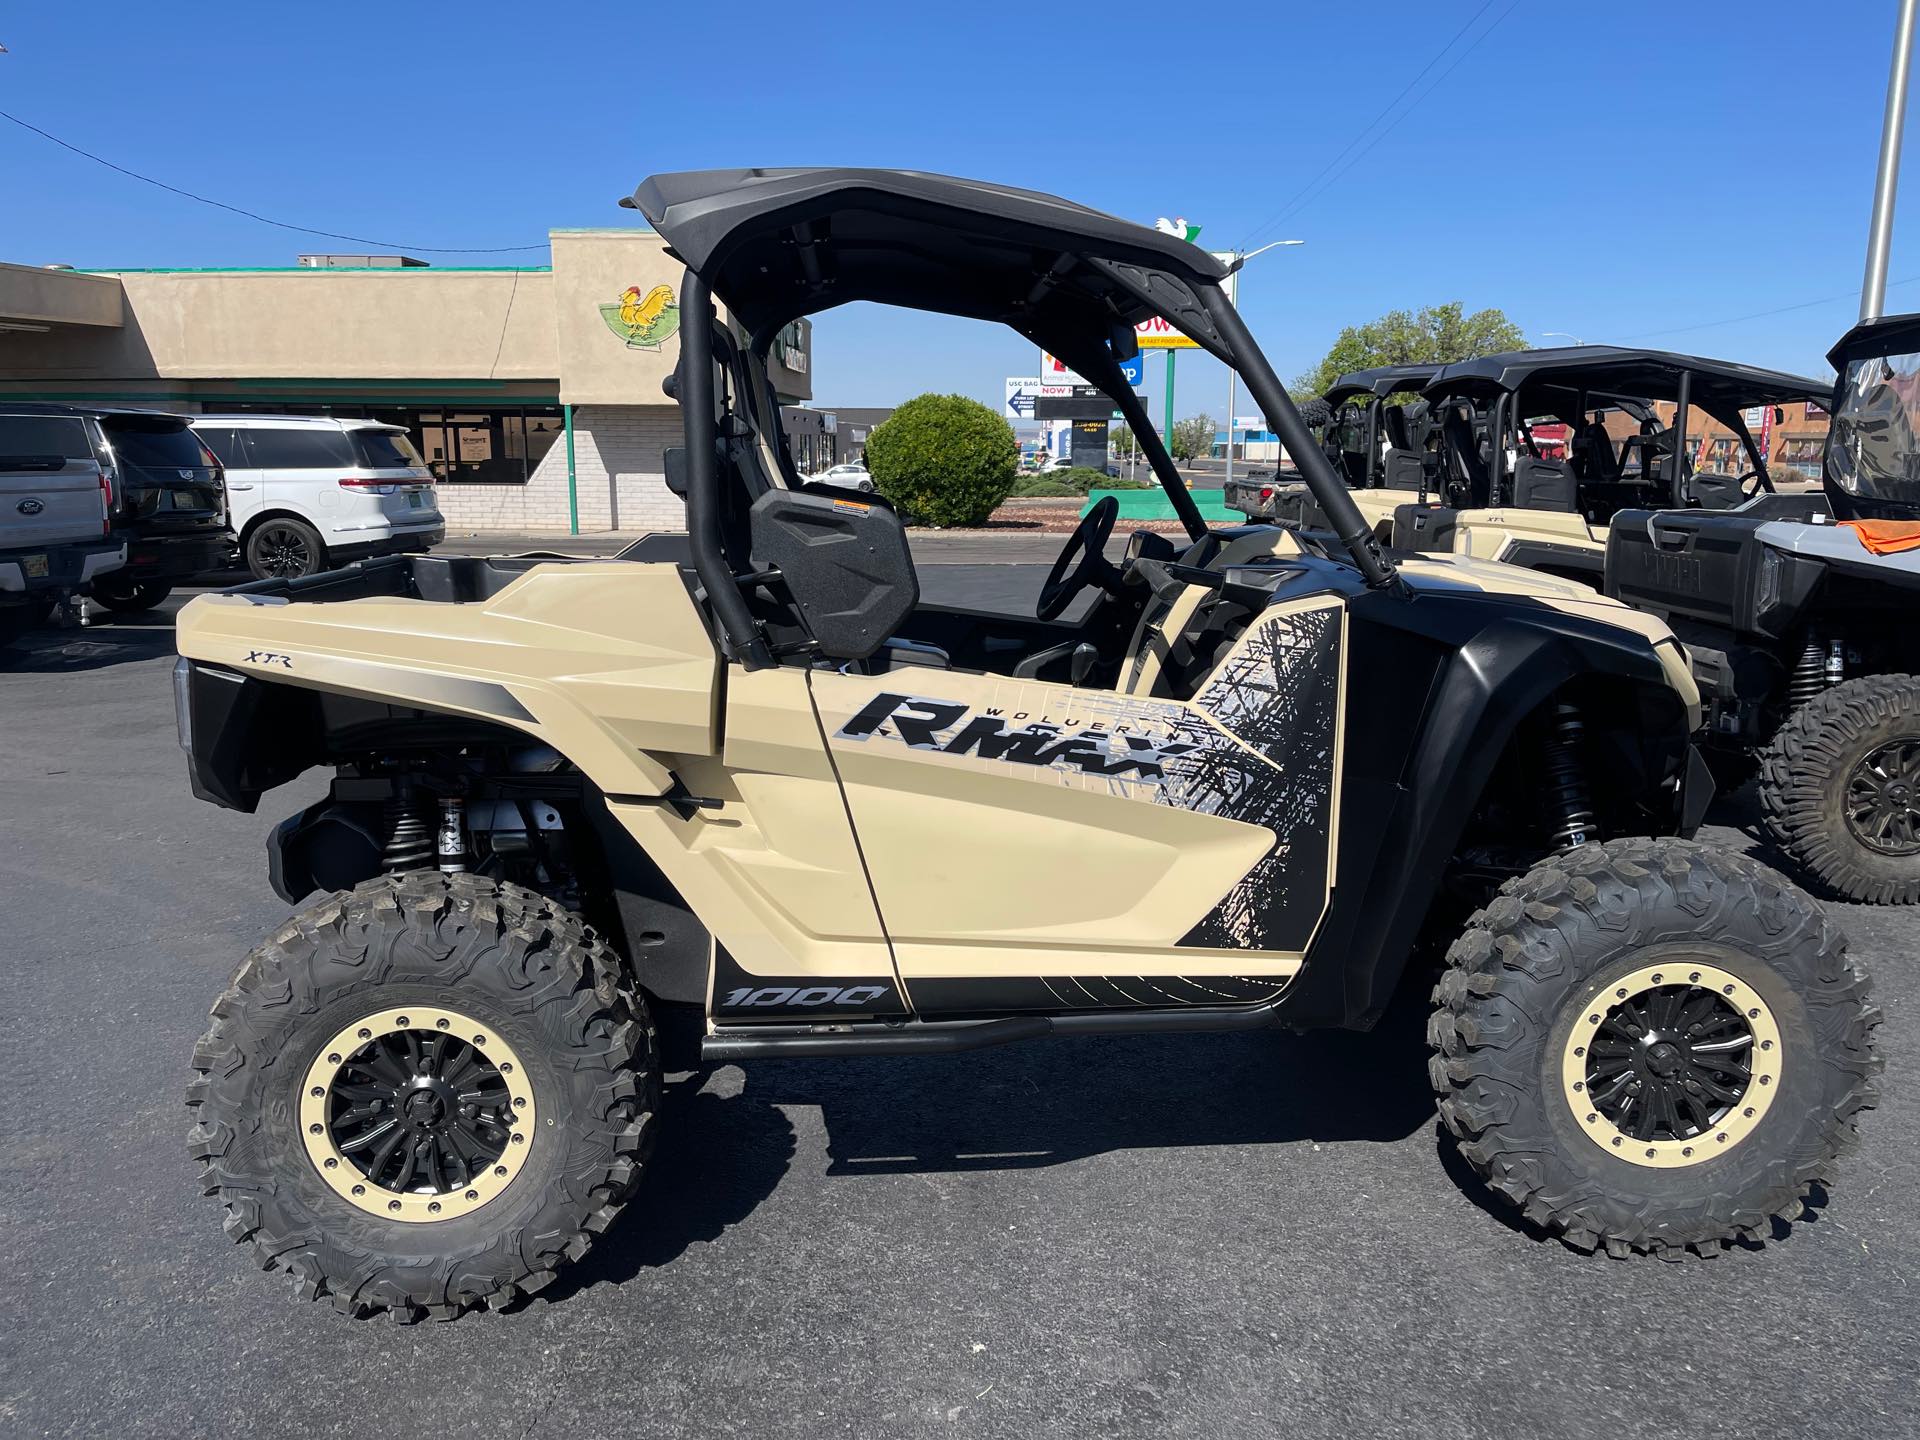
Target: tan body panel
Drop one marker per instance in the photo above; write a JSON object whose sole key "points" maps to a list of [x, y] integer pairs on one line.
{"points": [[603, 661], [992, 867], [1490, 534]]}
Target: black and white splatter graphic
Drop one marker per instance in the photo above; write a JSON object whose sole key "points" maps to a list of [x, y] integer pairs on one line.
{"points": [[1279, 693]]}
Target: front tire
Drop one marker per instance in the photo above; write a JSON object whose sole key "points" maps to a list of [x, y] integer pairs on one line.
{"points": [[1840, 789], [1652, 1046], [425, 1094]]}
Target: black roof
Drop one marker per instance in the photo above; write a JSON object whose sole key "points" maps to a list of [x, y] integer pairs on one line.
{"points": [[1381, 380], [778, 244], [1642, 374], [1882, 335]]}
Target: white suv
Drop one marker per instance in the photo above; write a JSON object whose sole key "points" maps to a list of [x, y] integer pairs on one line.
{"points": [[306, 493]]}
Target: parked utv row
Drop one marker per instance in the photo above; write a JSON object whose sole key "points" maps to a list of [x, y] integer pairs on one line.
{"points": [[1788, 600], [120, 505], [749, 775]]}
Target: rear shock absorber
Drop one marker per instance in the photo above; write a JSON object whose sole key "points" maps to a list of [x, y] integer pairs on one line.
{"points": [[1568, 800], [409, 838]]}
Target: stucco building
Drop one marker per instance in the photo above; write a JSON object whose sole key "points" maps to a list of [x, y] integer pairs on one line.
{"points": [[534, 392]]}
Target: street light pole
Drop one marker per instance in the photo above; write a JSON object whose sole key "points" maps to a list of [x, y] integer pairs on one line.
{"points": [[1873, 286], [1236, 259]]}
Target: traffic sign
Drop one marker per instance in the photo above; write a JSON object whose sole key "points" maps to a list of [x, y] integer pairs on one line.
{"points": [[1022, 391], [1157, 334]]}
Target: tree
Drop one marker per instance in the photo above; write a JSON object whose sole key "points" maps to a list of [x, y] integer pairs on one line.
{"points": [[1120, 438], [1192, 436], [1435, 333], [944, 459]]}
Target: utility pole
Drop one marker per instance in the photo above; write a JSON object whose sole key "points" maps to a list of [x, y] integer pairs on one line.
{"points": [[1873, 286], [1236, 259]]}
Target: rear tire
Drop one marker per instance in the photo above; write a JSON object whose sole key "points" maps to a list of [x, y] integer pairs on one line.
{"points": [[129, 597], [1835, 757], [1697, 947], [282, 548], [384, 1177]]}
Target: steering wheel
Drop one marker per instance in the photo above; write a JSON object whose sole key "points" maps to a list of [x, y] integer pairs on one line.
{"points": [[1761, 481], [1081, 563]]}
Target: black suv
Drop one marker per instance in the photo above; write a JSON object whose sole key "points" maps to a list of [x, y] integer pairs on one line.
{"points": [[166, 499]]}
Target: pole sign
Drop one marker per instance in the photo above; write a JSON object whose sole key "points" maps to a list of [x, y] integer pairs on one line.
{"points": [[1022, 391], [1157, 334]]}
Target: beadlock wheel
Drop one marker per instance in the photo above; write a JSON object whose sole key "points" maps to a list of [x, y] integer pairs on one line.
{"points": [[417, 1114], [1673, 1064]]}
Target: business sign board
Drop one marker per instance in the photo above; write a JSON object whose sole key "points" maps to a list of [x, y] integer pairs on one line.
{"points": [[1054, 371], [1022, 391], [1157, 334]]}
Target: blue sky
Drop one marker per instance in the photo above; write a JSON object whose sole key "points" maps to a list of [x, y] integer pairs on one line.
{"points": [[1629, 172]]}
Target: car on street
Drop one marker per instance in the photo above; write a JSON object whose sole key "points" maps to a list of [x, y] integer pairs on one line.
{"points": [[307, 493], [847, 477], [55, 537], [165, 500]]}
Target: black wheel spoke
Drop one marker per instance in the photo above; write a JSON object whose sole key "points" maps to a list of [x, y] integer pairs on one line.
{"points": [[420, 1111], [1666, 1063]]}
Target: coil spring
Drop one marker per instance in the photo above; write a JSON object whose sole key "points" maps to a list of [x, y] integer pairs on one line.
{"points": [[1568, 800], [409, 838], [1809, 673]]}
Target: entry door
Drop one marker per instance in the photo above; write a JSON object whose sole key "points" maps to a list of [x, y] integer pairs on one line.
{"points": [[1036, 846]]}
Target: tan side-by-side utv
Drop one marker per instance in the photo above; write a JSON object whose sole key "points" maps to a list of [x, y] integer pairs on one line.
{"points": [[747, 771]]}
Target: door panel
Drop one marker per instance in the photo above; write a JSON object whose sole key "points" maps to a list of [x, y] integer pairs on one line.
{"points": [[1025, 838]]}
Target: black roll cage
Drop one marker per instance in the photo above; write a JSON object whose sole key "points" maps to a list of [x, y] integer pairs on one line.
{"points": [[776, 237], [1507, 381]]}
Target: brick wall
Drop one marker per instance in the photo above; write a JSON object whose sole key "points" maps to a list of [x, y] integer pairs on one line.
{"points": [[618, 466]]}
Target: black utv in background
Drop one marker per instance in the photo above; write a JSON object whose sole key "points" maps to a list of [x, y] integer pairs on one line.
{"points": [[1802, 633], [166, 501]]}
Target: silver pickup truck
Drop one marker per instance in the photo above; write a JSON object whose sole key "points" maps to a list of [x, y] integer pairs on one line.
{"points": [[54, 534]]}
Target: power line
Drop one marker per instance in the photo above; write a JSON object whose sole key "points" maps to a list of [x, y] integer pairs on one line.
{"points": [[265, 219], [1762, 314], [1341, 162]]}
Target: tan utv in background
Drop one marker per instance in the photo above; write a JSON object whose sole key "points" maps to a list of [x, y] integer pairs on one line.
{"points": [[747, 773]]}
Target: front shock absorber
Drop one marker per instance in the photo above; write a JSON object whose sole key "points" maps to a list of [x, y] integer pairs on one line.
{"points": [[1569, 802], [409, 838]]}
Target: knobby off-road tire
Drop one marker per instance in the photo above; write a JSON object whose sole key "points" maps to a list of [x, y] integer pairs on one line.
{"points": [[1529, 1004], [521, 1006], [1854, 735]]}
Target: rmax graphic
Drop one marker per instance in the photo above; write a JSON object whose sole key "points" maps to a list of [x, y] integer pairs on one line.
{"points": [[1095, 749]]}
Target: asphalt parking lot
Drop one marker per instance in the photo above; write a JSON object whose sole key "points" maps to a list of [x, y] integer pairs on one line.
{"points": [[1187, 1235]]}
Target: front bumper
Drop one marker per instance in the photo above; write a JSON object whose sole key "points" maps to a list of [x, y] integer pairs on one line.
{"points": [[68, 567]]}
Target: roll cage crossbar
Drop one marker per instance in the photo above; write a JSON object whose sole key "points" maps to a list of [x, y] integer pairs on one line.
{"points": [[776, 245]]}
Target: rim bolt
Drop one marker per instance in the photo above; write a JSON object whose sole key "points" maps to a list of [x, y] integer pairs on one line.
{"points": [[365, 1034], [1748, 1112], [1579, 1049], [1579, 1084], [1592, 1118], [1766, 1079], [333, 1059], [473, 1194], [1616, 1142], [1621, 993], [1726, 989], [519, 1102], [317, 1091], [1686, 1150], [315, 1129], [1658, 978], [1695, 977], [442, 1024], [1753, 1014], [507, 1068], [499, 1169], [331, 1163], [1766, 1044], [479, 1039], [359, 1189], [1721, 1137], [401, 1022], [1650, 1152], [393, 1204]]}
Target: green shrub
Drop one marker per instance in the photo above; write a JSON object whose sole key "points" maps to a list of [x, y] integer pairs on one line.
{"points": [[1083, 478], [945, 459], [1037, 487]]}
